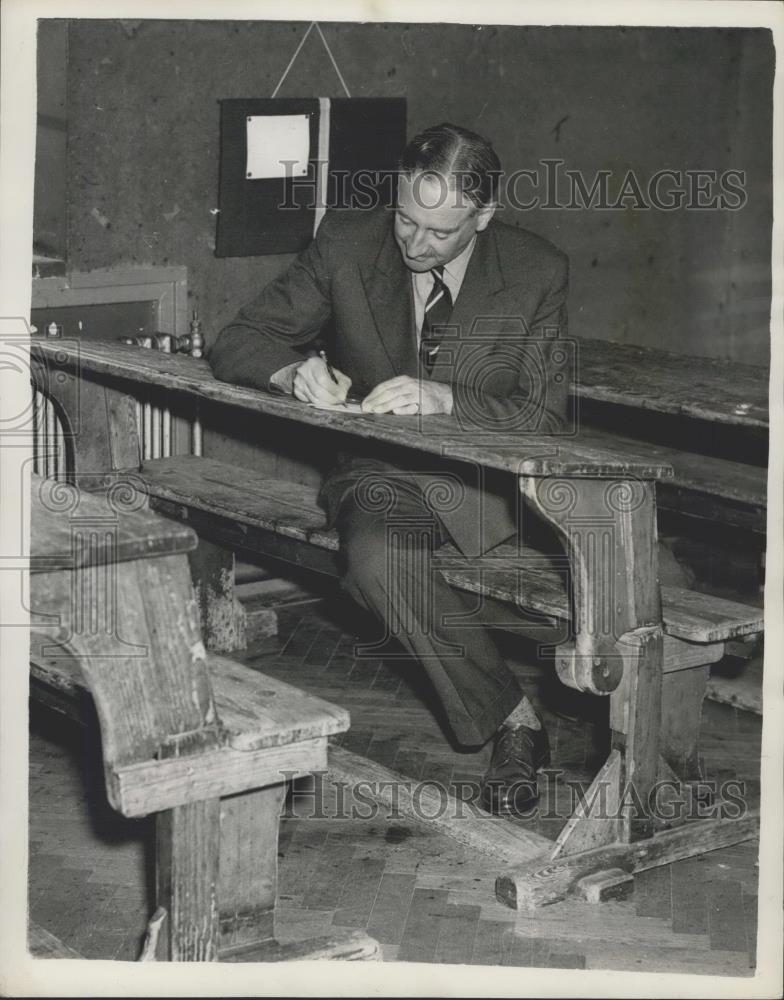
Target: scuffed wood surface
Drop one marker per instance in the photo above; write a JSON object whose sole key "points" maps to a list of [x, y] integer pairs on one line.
{"points": [[258, 711], [221, 615], [723, 391], [249, 865], [153, 785], [72, 528], [640, 743], [462, 821], [704, 618], [585, 830], [272, 729], [609, 533], [287, 509], [140, 651], [523, 577], [534, 885], [688, 614], [529, 454], [603, 886], [187, 854], [701, 474]]}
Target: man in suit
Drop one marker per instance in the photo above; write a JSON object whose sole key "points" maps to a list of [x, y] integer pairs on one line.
{"points": [[437, 308]]}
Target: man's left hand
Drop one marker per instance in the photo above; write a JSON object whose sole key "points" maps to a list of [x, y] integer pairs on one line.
{"points": [[404, 395]]}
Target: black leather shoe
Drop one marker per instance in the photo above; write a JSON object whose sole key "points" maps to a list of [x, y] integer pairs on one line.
{"points": [[510, 788]]}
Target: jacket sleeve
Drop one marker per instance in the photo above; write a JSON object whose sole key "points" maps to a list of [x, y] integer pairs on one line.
{"points": [[288, 314], [522, 384]]}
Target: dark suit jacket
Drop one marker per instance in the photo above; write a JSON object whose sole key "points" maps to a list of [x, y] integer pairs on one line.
{"points": [[509, 314]]}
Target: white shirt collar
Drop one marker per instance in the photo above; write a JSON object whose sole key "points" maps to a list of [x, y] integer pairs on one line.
{"points": [[454, 272], [456, 268]]}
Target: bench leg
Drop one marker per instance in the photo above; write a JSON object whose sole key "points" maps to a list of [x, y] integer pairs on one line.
{"points": [[249, 866], [187, 856], [537, 884], [222, 616], [593, 856], [683, 692]]}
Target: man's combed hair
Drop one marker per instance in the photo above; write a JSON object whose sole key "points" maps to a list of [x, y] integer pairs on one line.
{"points": [[458, 154]]}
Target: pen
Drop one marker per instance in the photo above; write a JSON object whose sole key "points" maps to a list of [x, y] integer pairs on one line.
{"points": [[323, 354], [351, 397]]}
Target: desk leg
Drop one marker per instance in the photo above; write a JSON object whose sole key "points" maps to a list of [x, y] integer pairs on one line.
{"points": [[611, 542], [609, 533], [608, 528], [99, 424]]}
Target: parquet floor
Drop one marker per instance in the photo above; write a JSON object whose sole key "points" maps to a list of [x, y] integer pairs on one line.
{"points": [[422, 895]]}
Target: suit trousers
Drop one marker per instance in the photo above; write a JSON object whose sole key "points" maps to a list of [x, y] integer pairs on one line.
{"points": [[388, 535]]}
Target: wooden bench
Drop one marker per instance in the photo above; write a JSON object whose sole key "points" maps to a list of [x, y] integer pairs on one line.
{"points": [[652, 670], [203, 743], [238, 510]]}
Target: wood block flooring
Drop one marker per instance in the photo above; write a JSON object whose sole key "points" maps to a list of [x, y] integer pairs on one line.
{"points": [[423, 896]]}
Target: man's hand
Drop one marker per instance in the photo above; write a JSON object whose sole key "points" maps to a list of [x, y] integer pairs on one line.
{"points": [[403, 395], [314, 384]]}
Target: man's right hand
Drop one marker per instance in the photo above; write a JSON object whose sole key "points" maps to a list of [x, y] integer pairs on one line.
{"points": [[313, 383]]}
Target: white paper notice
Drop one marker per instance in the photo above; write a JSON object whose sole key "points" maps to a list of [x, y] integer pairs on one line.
{"points": [[278, 146]]}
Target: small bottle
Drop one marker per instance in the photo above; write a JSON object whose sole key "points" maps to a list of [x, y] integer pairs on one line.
{"points": [[197, 341]]}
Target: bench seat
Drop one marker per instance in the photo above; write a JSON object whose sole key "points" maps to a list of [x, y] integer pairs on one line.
{"points": [[268, 726], [246, 509]]}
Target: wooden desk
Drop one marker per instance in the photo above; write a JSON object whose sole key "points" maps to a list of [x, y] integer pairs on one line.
{"points": [[600, 501], [723, 392], [706, 417]]}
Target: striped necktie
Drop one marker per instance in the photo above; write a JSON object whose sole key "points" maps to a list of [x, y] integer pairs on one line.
{"points": [[438, 309]]}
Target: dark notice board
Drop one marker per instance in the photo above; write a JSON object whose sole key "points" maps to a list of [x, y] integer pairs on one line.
{"points": [[367, 135]]}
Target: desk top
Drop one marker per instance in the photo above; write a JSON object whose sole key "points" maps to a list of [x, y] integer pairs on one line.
{"points": [[72, 528], [708, 388], [524, 454]]}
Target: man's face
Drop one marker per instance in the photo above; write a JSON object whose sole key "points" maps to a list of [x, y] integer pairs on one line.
{"points": [[433, 221]]}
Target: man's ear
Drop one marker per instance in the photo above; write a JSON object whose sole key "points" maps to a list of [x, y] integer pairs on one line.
{"points": [[484, 215]]}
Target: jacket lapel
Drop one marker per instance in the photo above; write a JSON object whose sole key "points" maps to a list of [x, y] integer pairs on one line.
{"points": [[483, 278], [387, 285]]}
